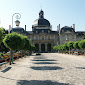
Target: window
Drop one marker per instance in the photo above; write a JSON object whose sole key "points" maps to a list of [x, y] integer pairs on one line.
{"points": [[42, 37], [72, 37], [48, 37]]}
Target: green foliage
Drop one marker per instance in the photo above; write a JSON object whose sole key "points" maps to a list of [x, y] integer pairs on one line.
{"points": [[32, 47], [75, 45], [70, 44], [81, 44], [13, 41], [55, 48], [27, 43], [66, 46], [1, 34]]}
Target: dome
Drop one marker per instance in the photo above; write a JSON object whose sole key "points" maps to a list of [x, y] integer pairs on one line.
{"points": [[41, 21]]}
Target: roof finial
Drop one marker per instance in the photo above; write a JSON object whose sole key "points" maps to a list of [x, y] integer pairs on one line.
{"points": [[41, 14]]}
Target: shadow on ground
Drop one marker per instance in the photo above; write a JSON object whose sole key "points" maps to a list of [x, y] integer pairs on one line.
{"points": [[80, 67], [39, 58], [7, 69], [45, 63], [46, 68], [44, 60], [7, 78], [38, 82]]}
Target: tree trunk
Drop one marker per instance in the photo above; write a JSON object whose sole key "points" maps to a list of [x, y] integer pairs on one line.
{"points": [[69, 50], [77, 51], [10, 56]]}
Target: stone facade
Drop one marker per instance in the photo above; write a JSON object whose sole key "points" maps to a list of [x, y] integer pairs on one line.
{"points": [[44, 38]]}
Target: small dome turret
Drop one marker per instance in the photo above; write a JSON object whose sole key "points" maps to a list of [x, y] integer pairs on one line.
{"points": [[41, 21]]}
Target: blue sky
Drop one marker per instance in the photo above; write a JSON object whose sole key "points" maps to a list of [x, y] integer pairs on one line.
{"points": [[63, 12]]}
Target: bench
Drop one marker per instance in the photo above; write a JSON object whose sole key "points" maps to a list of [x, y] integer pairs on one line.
{"points": [[2, 64]]}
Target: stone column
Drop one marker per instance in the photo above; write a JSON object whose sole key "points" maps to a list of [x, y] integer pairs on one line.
{"points": [[45, 47], [39, 47]]}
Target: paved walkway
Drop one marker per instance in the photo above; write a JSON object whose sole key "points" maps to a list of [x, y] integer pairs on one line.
{"points": [[46, 69]]}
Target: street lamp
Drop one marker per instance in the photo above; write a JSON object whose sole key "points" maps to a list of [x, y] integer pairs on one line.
{"points": [[18, 16]]}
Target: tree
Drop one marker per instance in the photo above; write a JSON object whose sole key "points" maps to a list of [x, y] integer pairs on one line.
{"points": [[32, 48], [70, 45], [3, 48], [81, 44], [76, 46], [13, 41], [55, 48], [1, 34], [27, 43]]}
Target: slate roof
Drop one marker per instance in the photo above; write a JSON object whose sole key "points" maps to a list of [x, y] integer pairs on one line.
{"points": [[66, 28], [44, 30], [80, 33], [41, 22], [19, 29]]}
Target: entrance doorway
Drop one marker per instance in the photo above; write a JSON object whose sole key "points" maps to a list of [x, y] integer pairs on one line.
{"points": [[37, 47], [48, 47], [42, 47]]}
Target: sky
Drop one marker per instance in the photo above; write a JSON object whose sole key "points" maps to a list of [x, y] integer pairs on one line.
{"points": [[63, 12]]}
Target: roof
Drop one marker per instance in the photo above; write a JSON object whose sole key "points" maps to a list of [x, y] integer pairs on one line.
{"points": [[19, 29], [37, 31], [66, 28], [80, 33], [41, 22]]}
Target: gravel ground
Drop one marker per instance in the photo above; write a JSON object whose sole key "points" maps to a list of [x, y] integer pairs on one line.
{"points": [[45, 69]]}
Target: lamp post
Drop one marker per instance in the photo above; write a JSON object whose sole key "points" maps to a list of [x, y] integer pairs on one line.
{"points": [[18, 16]]}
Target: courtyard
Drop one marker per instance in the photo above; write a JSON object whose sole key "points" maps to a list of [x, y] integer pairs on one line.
{"points": [[45, 69]]}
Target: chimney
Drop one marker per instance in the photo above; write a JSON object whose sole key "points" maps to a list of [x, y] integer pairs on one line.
{"points": [[59, 28], [74, 26], [9, 29], [25, 27], [71, 26]]}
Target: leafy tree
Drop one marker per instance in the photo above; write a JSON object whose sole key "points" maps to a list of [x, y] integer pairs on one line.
{"points": [[81, 44], [55, 48], [1, 34], [13, 41], [27, 43], [75, 45], [66, 46], [70, 45], [32, 48], [3, 48]]}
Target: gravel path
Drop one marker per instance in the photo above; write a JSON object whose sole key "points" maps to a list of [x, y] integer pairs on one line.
{"points": [[45, 69]]}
